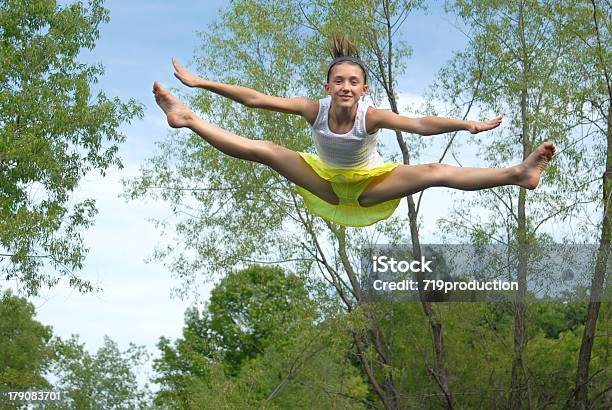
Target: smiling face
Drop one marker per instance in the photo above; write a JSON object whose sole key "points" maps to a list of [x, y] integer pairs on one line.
{"points": [[346, 84]]}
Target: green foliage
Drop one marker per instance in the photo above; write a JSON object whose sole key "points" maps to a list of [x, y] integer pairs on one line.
{"points": [[258, 335], [304, 363], [105, 380], [30, 359], [553, 319], [53, 130], [553, 359], [25, 346], [238, 209], [479, 341], [517, 63], [305, 367], [248, 306], [182, 365]]}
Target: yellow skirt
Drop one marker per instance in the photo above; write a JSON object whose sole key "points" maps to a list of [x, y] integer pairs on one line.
{"points": [[348, 184]]}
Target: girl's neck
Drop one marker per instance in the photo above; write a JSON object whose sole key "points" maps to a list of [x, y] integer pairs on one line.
{"points": [[343, 114], [341, 120]]}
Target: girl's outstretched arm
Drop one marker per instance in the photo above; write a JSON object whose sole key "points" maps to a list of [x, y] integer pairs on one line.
{"points": [[249, 97], [426, 125]]}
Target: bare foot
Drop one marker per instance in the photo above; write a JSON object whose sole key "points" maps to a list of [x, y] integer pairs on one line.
{"points": [[177, 113], [532, 167]]}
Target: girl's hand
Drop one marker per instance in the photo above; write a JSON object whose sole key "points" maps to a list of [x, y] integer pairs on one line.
{"points": [[185, 76], [478, 126]]}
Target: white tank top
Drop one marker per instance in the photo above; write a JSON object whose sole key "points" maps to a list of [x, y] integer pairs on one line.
{"points": [[355, 149]]}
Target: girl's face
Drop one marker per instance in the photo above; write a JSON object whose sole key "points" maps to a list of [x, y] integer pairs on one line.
{"points": [[346, 84]]}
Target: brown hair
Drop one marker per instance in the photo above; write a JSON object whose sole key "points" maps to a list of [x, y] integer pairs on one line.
{"points": [[342, 47], [343, 50]]}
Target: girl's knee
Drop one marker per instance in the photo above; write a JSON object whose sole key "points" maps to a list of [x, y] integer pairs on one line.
{"points": [[437, 167], [438, 172], [265, 152]]}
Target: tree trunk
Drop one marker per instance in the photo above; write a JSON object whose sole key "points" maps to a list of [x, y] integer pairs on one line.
{"points": [[603, 253], [439, 372], [387, 392], [518, 380]]}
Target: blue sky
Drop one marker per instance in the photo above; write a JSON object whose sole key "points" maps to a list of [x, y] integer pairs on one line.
{"points": [[135, 48]]}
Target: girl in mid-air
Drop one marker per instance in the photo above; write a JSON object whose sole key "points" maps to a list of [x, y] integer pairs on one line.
{"points": [[347, 183]]}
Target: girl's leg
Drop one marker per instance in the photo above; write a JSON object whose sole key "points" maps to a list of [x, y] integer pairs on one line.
{"points": [[409, 179], [286, 162]]}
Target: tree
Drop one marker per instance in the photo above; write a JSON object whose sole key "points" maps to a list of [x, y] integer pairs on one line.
{"points": [[240, 211], [586, 23], [246, 309], [518, 64], [25, 346], [304, 367], [32, 359], [53, 130], [183, 363], [105, 380]]}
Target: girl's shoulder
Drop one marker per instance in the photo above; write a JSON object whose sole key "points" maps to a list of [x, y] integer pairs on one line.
{"points": [[310, 110], [372, 119]]}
